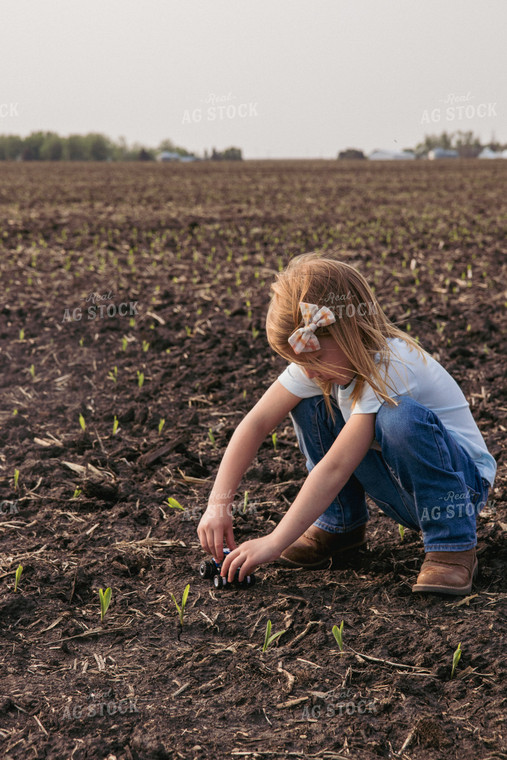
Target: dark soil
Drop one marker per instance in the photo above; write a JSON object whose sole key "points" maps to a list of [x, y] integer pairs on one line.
{"points": [[192, 250]]}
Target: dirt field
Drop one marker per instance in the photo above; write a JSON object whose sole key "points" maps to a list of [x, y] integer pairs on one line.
{"points": [[137, 293]]}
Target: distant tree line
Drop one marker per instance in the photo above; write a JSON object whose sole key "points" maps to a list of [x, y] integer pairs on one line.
{"points": [[466, 144], [230, 154], [49, 146]]}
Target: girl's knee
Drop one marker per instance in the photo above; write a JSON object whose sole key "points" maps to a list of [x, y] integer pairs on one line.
{"points": [[304, 409], [396, 423]]}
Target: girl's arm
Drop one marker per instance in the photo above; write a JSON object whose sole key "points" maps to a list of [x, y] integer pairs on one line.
{"points": [[321, 486], [216, 523]]}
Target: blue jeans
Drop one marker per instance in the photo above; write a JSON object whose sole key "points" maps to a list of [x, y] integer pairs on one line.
{"points": [[422, 478]]}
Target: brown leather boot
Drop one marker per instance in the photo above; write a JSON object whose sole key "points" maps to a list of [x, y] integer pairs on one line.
{"points": [[447, 572], [315, 548]]}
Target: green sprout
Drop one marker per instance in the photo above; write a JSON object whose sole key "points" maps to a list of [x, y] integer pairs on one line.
{"points": [[245, 502], [76, 493], [15, 412], [146, 345], [81, 341], [401, 531], [32, 371], [455, 659], [105, 601], [211, 437], [124, 342], [113, 374], [82, 423], [274, 439], [16, 478], [174, 503], [21, 334], [181, 610], [140, 378], [268, 638], [161, 425], [244, 394], [338, 634], [17, 577], [115, 425], [255, 333]]}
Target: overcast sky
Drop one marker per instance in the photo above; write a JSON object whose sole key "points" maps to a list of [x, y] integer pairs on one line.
{"points": [[277, 78]]}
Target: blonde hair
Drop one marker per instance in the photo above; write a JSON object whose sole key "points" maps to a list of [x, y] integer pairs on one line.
{"points": [[361, 328]]}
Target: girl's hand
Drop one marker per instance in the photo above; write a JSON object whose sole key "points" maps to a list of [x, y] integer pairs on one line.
{"points": [[250, 555], [213, 527]]}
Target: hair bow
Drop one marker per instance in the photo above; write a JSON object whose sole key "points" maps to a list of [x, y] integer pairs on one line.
{"points": [[304, 338]]}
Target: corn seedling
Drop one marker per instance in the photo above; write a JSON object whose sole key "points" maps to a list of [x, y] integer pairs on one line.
{"points": [[254, 333], [82, 423], [140, 379], [32, 371], [181, 610], [105, 601], [15, 412], [21, 334], [161, 425], [113, 374], [401, 531], [268, 638], [81, 341], [245, 502], [211, 437], [17, 577], [76, 493], [338, 634], [174, 503], [146, 345], [16, 478], [124, 342], [455, 659], [274, 439], [115, 425]]}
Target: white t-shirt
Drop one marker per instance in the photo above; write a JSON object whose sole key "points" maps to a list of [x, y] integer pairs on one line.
{"points": [[408, 375]]}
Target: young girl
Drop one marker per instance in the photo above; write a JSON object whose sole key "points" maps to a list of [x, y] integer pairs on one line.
{"points": [[373, 414]]}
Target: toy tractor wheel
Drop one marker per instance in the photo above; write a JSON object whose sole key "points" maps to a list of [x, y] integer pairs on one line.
{"points": [[218, 581], [206, 569], [248, 581]]}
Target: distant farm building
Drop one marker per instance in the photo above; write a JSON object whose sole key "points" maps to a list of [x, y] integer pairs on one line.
{"points": [[437, 153], [392, 155], [488, 153], [167, 155]]}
